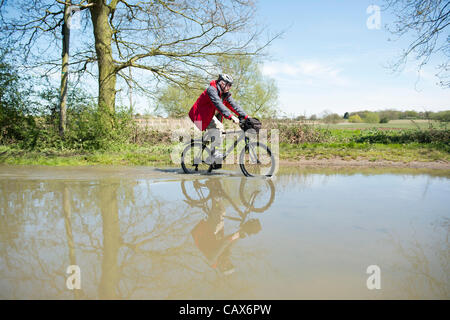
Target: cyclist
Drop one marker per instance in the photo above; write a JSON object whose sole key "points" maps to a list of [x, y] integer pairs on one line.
{"points": [[211, 107], [210, 238]]}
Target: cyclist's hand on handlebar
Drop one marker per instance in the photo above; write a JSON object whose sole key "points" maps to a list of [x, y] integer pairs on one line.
{"points": [[235, 120]]}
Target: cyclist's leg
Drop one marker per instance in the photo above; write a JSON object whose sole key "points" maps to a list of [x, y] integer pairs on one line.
{"points": [[214, 131], [217, 216]]}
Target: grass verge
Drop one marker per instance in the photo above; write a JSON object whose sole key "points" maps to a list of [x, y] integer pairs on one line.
{"points": [[160, 154]]}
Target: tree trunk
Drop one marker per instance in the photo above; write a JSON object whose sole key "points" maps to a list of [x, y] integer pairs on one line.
{"points": [[64, 70], [67, 210], [106, 67]]}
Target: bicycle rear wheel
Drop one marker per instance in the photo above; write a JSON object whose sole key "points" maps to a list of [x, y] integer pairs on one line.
{"points": [[195, 191], [193, 158], [256, 160]]}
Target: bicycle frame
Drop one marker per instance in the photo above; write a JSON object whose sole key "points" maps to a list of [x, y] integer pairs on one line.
{"points": [[241, 137]]}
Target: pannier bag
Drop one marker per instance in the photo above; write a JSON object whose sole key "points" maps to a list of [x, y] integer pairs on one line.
{"points": [[252, 123]]}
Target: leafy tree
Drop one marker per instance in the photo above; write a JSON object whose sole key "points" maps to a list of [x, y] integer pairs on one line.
{"points": [[258, 95], [176, 101], [15, 107], [384, 120], [371, 117], [332, 118], [355, 119], [390, 114], [410, 114], [443, 116]]}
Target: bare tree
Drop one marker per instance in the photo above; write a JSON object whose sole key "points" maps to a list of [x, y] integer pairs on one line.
{"points": [[427, 21], [168, 39]]}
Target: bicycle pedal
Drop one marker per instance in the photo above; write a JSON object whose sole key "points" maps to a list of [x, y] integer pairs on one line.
{"points": [[217, 166]]}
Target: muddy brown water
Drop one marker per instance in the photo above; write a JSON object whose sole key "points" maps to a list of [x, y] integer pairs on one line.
{"points": [[147, 233]]}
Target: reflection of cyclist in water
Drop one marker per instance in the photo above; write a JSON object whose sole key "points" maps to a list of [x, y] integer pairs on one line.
{"points": [[209, 237], [209, 234]]}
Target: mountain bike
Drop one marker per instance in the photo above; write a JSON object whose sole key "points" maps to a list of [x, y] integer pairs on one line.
{"points": [[255, 158]]}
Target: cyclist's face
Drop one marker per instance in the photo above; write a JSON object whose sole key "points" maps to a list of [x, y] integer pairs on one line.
{"points": [[225, 86]]}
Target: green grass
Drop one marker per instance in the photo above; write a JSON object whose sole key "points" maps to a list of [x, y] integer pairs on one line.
{"points": [[157, 154], [361, 151], [336, 144], [160, 154]]}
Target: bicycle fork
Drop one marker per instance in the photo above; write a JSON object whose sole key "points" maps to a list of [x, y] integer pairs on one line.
{"points": [[251, 152]]}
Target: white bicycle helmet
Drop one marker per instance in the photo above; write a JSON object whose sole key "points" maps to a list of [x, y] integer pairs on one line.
{"points": [[225, 77]]}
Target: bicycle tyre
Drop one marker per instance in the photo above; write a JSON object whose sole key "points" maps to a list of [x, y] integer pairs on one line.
{"points": [[245, 165], [246, 202], [202, 198], [190, 164]]}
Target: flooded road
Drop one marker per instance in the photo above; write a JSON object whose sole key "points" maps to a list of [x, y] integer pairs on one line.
{"points": [[145, 233]]}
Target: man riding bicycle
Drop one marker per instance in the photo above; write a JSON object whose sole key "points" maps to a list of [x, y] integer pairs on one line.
{"points": [[211, 107]]}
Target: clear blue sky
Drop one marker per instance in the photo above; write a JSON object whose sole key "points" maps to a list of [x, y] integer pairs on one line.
{"points": [[328, 59]]}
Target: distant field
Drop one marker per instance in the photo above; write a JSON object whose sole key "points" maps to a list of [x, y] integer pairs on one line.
{"points": [[395, 124], [163, 123]]}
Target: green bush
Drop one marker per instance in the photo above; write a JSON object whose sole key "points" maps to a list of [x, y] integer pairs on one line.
{"points": [[437, 137], [443, 116], [332, 118], [355, 119], [16, 110], [150, 136], [93, 128], [295, 134], [88, 128], [371, 117], [33, 124]]}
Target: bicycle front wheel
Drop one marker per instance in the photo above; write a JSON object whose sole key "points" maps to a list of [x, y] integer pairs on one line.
{"points": [[194, 157], [257, 195], [256, 160]]}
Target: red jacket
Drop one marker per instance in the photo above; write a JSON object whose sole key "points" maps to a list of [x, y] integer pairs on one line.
{"points": [[210, 101]]}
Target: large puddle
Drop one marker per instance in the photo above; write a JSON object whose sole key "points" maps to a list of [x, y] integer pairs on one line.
{"points": [[143, 233]]}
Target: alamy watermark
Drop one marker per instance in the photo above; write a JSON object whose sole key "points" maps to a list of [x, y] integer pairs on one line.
{"points": [[374, 280], [74, 21], [373, 22], [74, 280]]}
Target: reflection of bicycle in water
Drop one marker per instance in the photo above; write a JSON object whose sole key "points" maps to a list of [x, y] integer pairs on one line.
{"points": [[256, 196], [209, 234]]}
